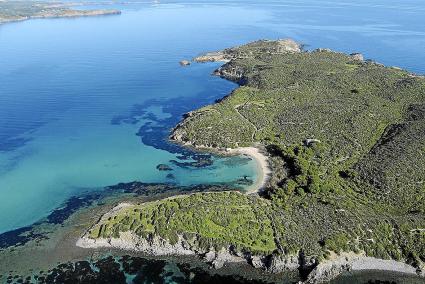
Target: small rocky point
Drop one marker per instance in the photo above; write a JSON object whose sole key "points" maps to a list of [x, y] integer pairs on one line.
{"points": [[271, 46]]}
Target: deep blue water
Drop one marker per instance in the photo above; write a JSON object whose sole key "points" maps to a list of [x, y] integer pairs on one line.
{"points": [[75, 92]]}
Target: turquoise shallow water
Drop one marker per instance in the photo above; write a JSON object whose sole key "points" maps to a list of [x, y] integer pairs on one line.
{"points": [[64, 84]]}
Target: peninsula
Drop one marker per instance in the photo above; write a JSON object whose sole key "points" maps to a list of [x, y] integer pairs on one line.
{"points": [[12, 11], [345, 144]]}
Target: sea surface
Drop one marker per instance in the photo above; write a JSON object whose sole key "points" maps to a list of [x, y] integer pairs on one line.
{"points": [[88, 102]]}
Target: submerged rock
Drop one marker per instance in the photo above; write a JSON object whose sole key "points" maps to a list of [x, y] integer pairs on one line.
{"points": [[170, 176], [185, 63], [244, 181], [163, 167]]}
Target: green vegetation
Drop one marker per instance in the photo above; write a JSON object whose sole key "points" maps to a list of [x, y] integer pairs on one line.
{"points": [[346, 144], [209, 220]]}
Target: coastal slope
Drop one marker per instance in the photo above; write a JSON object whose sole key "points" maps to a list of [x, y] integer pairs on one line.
{"points": [[344, 137]]}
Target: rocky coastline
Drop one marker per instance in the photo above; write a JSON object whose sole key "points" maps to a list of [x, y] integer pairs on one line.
{"points": [[157, 246], [311, 271]]}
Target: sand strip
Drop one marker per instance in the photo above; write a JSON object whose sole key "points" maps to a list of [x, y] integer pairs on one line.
{"points": [[263, 168]]}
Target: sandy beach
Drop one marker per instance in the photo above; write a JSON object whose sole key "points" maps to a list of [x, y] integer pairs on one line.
{"points": [[350, 261], [263, 168]]}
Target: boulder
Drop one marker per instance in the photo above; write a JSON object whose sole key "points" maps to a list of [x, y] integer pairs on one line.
{"points": [[210, 256]]}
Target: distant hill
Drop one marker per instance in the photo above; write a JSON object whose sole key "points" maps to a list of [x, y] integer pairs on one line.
{"points": [[11, 11]]}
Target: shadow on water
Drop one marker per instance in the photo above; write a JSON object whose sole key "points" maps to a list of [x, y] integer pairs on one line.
{"points": [[156, 127]]}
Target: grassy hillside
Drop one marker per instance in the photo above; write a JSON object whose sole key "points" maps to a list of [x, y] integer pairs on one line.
{"points": [[218, 220]]}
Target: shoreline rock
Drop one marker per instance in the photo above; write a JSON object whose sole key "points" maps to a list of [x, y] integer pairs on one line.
{"points": [[316, 272], [157, 246]]}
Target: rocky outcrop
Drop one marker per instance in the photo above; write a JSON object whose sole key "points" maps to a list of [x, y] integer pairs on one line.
{"points": [[179, 134], [232, 73], [160, 247], [278, 263], [261, 46], [224, 256], [213, 57], [275, 263], [288, 45], [357, 56], [157, 246], [130, 242]]}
